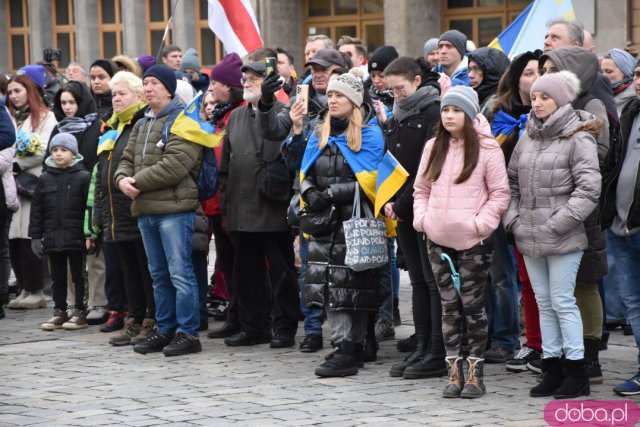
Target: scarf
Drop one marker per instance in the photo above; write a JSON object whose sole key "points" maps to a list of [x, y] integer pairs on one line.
{"points": [[415, 102], [338, 126], [124, 117], [621, 85], [504, 125], [219, 111], [22, 115], [77, 124]]}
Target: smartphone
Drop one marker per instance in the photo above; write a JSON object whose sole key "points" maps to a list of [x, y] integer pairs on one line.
{"points": [[270, 64], [302, 92]]}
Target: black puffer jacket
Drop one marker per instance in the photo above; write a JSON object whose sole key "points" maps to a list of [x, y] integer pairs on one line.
{"points": [[87, 139], [57, 208], [112, 209], [405, 139], [328, 279]]}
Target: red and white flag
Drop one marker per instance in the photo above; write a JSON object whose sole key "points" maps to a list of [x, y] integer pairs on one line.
{"points": [[234, 22]]}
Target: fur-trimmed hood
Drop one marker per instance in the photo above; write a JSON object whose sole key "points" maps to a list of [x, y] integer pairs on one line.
{"points": [[126, 63]]}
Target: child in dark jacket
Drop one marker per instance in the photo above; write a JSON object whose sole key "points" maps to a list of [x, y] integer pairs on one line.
{"points": [[56, 227]]}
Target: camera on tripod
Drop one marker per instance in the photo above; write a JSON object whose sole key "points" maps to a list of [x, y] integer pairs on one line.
{"points": [[49, 55]]}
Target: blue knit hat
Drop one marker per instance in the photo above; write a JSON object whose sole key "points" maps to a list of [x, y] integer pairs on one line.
{"points": [[35, 73], [165, 74]]}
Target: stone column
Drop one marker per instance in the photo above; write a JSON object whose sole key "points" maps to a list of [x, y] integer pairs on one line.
{"points": [[134, 29], [85, 16], [408, 24], [4, 38], [184, 24], [40, 28], [280, 23]]}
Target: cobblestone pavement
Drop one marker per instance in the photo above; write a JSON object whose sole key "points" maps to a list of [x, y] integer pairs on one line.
{"points": [[75, 378]]}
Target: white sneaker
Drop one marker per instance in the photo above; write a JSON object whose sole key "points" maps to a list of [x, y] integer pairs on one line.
{"points": [[14, 303], [32, 301], [97, 315]]}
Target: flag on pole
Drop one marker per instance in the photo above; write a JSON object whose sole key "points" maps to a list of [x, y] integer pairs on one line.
{"points": [[234, 22], [527, 31]]}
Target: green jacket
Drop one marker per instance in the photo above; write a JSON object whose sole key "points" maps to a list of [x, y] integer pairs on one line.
{"points": [[165, 174]]}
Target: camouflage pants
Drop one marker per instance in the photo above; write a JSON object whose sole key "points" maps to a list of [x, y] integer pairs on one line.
{"points": [[463, 316]]}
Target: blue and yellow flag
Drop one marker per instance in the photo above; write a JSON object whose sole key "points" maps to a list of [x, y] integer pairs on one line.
{"points": [[190, 126], [504, 125], [391, 177], [108, 140], [527, 31]]}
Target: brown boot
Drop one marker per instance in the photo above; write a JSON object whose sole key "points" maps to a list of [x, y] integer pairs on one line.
{"points": [[130, 330], [78, 320], [456, 377], [474, 386], [146, 330]]}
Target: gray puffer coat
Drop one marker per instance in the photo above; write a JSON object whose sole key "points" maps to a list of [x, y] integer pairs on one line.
{"points": [[555, 183]]}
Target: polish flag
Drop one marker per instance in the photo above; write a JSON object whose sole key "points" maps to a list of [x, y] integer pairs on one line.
{"points": [[234, 22]]}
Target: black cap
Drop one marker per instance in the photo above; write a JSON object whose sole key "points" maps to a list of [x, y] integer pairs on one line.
{"points": [[326, 58], [257, 67], [381, 57]]}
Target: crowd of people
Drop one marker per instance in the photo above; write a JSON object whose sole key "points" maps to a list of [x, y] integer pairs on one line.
{"points": [[518, 194]]}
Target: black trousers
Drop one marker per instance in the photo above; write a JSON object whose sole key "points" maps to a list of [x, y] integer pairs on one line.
{"points": [[26, 265], [58, 266], [425, 297], [114, 278], [261, 288], [225, 256], [137, 280]]}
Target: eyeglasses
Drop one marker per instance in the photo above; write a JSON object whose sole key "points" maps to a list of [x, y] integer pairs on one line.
{"points": [[250, 80]]}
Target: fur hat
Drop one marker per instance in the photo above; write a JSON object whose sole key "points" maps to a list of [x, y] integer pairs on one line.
{"points": [[65, 140], [464, 98], [348, 85], [126, 63], [562, 87]]}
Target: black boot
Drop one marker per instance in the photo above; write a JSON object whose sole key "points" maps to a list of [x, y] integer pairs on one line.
{"points": [[344, 361], [552, 378], [432, 365], [576, 380], [396, 313], [370, 351], [397, 369], [407, 345], [591, 350]]}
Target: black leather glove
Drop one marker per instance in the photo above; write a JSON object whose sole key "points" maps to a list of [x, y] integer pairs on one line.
{"points": [[317, 200], [36, 247], [270, 85]]}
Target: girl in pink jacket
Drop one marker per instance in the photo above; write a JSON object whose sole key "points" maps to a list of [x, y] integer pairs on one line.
{"points": [[461, 192]]}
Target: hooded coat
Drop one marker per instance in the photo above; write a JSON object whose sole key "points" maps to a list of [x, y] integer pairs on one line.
{"points": [[584, 64], [405, 139], [555, 183], [493, 64], [57, 210], [87, 139]]}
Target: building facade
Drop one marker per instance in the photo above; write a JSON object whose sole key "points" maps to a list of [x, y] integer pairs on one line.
{"points": [[88, 29]]}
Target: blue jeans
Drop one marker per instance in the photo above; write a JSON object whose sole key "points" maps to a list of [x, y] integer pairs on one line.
{"points": [[502, 293], [626, 251], [616, 312], [312, 315], [167, 241], [553, 279]]}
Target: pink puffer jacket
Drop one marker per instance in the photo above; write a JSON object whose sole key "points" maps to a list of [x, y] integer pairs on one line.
{"points": [[460, 216]]}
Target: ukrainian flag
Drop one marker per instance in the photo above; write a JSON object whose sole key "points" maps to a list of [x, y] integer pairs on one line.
{"points": [[390, 179], [527, 31], [191, 127], [108, 140]]}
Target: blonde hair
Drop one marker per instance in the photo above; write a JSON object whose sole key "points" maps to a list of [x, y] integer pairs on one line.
{"points": [[133, 82], [354, 131]]}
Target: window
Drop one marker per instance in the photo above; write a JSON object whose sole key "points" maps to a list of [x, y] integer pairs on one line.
{"points": [[157, 15], [480, 20], [363, 19], [18, 33], [64, 37], [208, 45], [110, 28]]}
